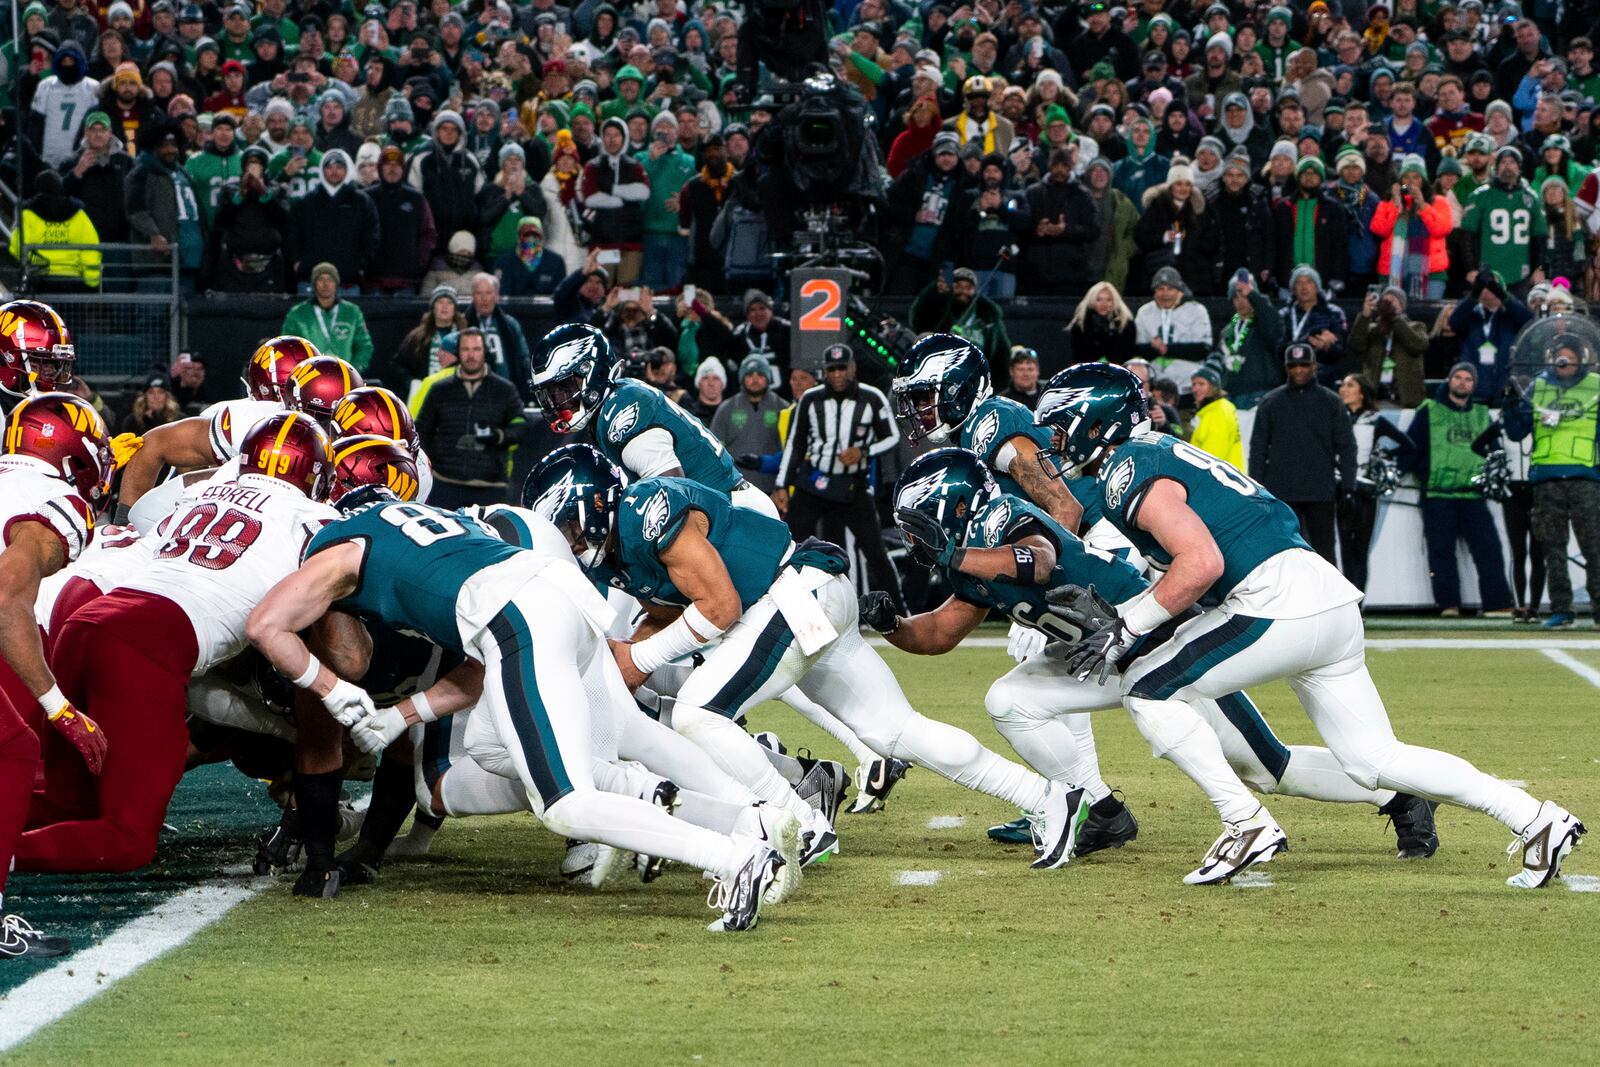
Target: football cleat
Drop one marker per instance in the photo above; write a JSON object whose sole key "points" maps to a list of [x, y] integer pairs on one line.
{"points": [[318, 882], [419, 839], [350, 820], [353, 870], [771, 742], [779, 829], [1101, 832], [823, 784], [1018, 831], [1561, 620], [818, 846], [594, 865], [1055, 831], [873, 783], [1253, 840], [1415, 836], [739, 898], [1547, 841], [279, 848], [19, 939], [665, 797]]}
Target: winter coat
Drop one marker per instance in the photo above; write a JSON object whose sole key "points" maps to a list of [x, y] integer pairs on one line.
{"points": [[613, 191], [103, 190], [337, 331], [909, 193], [338, 226], [1323, 315], [1196, 255], [406, 232], [1057, 262], [1331, 240], [1095, 339], [519, 279], [1111, 251], [1301, 445], [1246, 237], [1476, 327], [1405, 342], [58, 220], [162, 201], [1438, 219], [449, 414], [450, 179], [1360, 202], [1259, 364], [247, 243]]}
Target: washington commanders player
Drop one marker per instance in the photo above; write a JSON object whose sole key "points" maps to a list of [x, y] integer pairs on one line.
{"points": [[36, 352], [232, 541], [372, 409], [56, 465]]}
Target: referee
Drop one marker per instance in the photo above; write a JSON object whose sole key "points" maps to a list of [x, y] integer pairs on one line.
{"points": [[838, 428]]}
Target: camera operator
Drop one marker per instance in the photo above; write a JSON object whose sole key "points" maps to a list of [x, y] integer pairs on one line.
{"points": [[789, 36], [632, 325], [1383, 337]]}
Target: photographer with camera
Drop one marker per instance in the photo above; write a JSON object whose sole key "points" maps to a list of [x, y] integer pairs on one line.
{"points": [[633, 327], [1388, 345], [1412, 227]]}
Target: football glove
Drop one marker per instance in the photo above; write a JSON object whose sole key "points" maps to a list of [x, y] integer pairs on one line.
{"points": [[877, 611], [82, 731], [1100, 650], [348, 703], [379, 730], [1024, 642], [124, 447], [1083, 608], [931, 544]]}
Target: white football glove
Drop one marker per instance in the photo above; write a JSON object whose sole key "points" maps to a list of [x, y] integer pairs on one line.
{"points": [[1024, 642], [379, 730], [348, 703]]}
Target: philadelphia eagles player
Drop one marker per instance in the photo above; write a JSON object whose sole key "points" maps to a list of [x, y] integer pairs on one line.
{"points": [[534, 625], [576, 380], [944, 394], [947, 498], [1272, 609], [786, 615]]}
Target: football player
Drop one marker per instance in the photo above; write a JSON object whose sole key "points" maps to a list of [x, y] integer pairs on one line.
{"points": [[213, 562], [945, 394], [576, 380], [532, 625], [372, 409], [957, 521], [785, 615], [1281, 611], [55, 466], [36, 352]]}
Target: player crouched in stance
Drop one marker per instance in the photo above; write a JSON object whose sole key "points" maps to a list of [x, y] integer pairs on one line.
{"points": [[1281, 610], [56, 466], [535, 625], [785, 614]]}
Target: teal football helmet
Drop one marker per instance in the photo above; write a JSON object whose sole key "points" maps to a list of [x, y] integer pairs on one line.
{"points": [[571, 372], [1088, 408], [578, 490], [947, 380], [946, 486]]}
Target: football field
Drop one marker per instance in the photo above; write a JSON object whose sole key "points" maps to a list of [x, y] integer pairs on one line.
{"points": [[922, 943]]}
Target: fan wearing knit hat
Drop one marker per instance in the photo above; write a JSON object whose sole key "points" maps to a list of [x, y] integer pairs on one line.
{"points": [[1312, 227], [1174, 231]]}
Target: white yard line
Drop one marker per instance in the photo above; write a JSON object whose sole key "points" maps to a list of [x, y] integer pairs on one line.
{"points": [[1530, 644], [1576, 666], [1582, 883], [918, 877], [946, 822], [85, 974], [1252, 880]]}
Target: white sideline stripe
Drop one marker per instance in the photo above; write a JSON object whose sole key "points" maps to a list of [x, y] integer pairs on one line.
{"points": [[1582, 883], [946, 822], [1581, 644], [1578, 667], [918, 877], [85, 974], [1252, 880]]}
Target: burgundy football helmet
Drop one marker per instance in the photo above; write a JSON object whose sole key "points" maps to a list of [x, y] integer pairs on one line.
{"points": [[368, 459], [373, 409], [292, 448], [36, 353], [266, 376], [68, 434], [317, 385]]}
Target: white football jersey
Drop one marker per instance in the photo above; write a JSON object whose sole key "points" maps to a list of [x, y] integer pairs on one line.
{"points": [[221, 553], [160, 502], [31, 490], [63, 108], [115, 553], [424, 476], [231, 419]]}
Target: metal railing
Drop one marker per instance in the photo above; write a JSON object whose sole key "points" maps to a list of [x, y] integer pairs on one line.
{"points": [[132, 322]]}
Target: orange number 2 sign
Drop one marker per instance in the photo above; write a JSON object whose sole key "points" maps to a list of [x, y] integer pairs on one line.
{"points": [[823, 315]]}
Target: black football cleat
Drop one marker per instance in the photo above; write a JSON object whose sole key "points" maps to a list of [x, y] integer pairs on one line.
{"points": [[19, 940], [1415, 836], [823, 785], [1111, 829], [280, 847], [318, 882], [873, 783], [355, 867]]}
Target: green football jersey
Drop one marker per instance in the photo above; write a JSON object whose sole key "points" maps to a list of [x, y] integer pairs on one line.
{"points": [[996, 421], [1250, 525], [632, 408], [1504, 221], [651, 515], [417, 559], [1008, 519]]}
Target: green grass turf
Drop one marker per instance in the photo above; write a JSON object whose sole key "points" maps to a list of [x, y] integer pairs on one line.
{"points": [[480, 954]]}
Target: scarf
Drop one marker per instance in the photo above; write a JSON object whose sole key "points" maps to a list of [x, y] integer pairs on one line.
{"points": [[988, 130], [718, 184], [1233, 338], [1408, 255], [1305, 229]]}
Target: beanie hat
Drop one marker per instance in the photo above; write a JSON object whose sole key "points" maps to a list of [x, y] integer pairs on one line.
{"points": [[1283, 148], [451, 118], [1310, 163], [1220, 40], [1212, 143], [1056, 113], [1305, 270], [398, 109], [1463, 366], [511, 149], [629, 73], [1398, 293], [946, 141], [1449, 165], [1413, 164], [1350, 156], [1180, 171], [1498, 106]]}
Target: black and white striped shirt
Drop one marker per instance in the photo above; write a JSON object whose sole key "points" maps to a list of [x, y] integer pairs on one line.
{"points": [[827, 423]]}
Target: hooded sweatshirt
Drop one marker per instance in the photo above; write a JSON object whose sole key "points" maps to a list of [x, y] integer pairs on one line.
{"points": [[613, 190], [335, 224], [60, 105]]}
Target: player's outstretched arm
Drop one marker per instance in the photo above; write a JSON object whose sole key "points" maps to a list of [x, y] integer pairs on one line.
{"points": [[931, 633], [1027, 562], [297, 602], [700, 575], [185, 444], [1049, 493], [456, 691], [1196, 561]]}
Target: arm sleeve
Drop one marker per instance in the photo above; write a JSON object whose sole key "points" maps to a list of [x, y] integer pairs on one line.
{"points": [[799, 431], [883, 423], [650, 454]]}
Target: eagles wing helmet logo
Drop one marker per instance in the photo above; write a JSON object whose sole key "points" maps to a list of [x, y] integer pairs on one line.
{"points": [[914, 493], [548, 504], [565, 357], [983, 435], [623, 424], [653, 516], [1117, 482], [936, 366], [995, 523]]}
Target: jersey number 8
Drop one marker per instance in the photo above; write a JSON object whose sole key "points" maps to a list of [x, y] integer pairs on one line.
{"points": [[1221, 470], [422, 526]]}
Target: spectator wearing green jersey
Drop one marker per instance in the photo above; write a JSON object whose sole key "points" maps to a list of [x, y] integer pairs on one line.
{"points": [[1508, 222]]}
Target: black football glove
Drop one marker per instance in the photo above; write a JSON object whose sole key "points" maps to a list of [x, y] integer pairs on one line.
{"points": [[877, 611], [747, 461], [930, 544], [1083, 608], [1099, 651]]}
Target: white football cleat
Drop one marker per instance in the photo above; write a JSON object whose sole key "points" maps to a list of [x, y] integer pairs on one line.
{"points": [[594, 865], [779, 829], [1544, 844], [1242, 844], [1055, 832], [739, 898]]}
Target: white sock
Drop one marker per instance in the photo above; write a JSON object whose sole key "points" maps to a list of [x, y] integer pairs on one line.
{"points": [[737, 753], [825, 719], [952, 752], [710, 812], [674, 756], [642, 828], [468, 789], [1088, 769], [1315, 773], [1177, 734]]}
